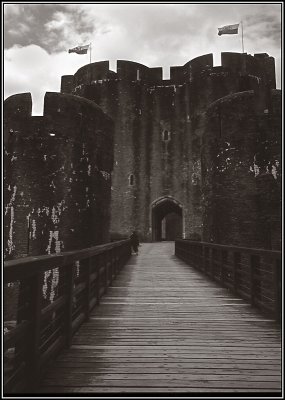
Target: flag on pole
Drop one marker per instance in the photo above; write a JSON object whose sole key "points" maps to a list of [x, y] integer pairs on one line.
{"points": [[79, 49], [228, 29]]}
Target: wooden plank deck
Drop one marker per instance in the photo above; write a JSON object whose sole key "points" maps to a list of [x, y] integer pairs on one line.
{"points": [[163, 327]]}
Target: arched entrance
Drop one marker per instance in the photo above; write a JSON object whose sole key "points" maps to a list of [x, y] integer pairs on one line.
{"points": [[166, 219]]}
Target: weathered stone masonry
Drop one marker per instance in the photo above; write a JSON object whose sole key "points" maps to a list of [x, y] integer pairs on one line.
{"points": [[203, 145], [242, 174], [57, 175], [166, 138]]}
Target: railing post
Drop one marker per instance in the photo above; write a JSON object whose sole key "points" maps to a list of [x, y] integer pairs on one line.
{"points": [[106, 270], [112, 266], [235, 270], [98, 279], [251, 263], [206, 259], [69, 303], [277, 274], [223, 260], [254, 262], [116, 262], [88, 287], [34, 337], [211, 261], [202, 262], [188, 254]]}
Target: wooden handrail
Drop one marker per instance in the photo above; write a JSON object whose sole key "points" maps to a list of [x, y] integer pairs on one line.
{"points": [[253, 274], [55, 295], [27, 266], [252, 250]]}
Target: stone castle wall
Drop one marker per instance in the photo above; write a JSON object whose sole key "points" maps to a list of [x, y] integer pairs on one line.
{"points": [[57, 176], [241, 163], [160, 132]]}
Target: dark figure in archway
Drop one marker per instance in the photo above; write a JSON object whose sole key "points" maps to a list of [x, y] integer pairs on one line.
{"points": [[135, 242]]}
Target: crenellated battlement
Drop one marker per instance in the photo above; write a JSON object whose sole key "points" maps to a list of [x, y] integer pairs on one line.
{"points": [[132, 71], [55, 104], [62, 112], [19, 105], [259, 66]]}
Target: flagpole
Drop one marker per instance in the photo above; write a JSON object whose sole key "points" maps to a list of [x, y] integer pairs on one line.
{"points": [[90, 53], [242, 37]]}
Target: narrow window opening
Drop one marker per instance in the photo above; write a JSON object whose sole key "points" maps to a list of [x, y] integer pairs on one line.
{"points": [[131, 180], [166, 135], [138, 74]]}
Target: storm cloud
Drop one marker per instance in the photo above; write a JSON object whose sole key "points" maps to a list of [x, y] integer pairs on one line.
{"points": [[153, 34]]}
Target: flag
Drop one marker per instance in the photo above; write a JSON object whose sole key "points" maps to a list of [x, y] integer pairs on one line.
{"points": [[79, 49], [228, 29]]}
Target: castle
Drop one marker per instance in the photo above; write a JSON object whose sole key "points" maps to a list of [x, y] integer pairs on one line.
{"points": [[196, 156]]}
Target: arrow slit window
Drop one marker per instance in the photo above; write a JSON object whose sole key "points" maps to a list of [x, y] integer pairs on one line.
{"points": [[166, 136], [131, 180]]}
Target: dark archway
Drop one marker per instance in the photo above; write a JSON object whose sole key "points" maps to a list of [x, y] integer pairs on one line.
{"points": [[166, 220]]}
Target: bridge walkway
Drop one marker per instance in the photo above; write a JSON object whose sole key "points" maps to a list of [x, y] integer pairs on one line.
{"points": [[163, 327]]}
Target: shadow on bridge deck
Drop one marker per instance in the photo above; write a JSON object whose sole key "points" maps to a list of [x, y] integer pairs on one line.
{"points": [[163, 327]]}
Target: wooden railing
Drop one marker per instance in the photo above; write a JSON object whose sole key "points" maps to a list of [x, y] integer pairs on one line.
{"points": [[253, 274], [47, 298]]}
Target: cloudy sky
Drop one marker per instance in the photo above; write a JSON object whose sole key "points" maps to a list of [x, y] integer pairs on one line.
{"points": [[37, 38]]}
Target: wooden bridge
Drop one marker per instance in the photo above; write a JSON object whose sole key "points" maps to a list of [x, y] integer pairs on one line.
{"points": [[208, 321]]}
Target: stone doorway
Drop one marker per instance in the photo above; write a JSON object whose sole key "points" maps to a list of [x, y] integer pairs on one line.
{"points": [[167, 220]]}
